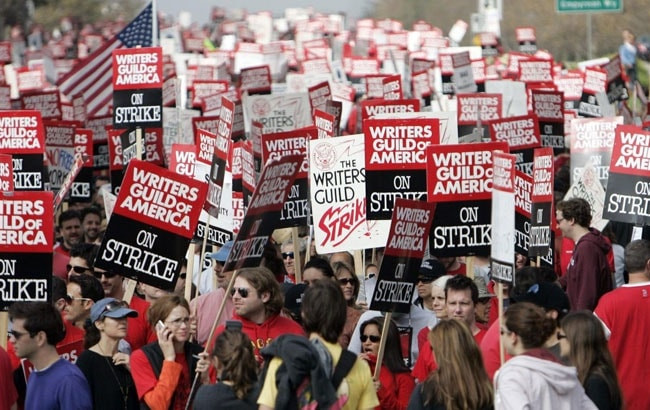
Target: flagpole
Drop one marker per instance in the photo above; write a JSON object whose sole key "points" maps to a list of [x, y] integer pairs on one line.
{"points": [[154, 23]]}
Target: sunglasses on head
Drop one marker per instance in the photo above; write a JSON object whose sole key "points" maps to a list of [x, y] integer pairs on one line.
{"points": [[243, 292], [108, 274], [77, 269], [373, 338], [346, 281], [286, 255], [113, 306]]}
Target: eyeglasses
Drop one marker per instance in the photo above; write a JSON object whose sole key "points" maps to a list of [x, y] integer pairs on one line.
{"points": [[69, 298], [107, 273], [559, 220], [16, 334], [504, 331], [286, 255], [243, 292], [560, 336], [77, 269], [373, 338], [346, 281], [178, 322]]}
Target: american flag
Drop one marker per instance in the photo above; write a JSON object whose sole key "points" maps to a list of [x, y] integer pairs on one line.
{"points": [[92, 77]]}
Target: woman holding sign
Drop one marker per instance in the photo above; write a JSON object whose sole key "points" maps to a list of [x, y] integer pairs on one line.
{"points": [[163, 371], [395, 380]]}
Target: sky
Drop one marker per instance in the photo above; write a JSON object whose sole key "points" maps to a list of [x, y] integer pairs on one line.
{"points": [[200, 9]]}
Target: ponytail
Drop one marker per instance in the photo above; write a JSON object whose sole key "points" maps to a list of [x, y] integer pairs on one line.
{"points": [[234, 351]]}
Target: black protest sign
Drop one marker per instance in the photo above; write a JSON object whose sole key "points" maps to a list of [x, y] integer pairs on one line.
{"points": [[628, 190], [395, 151], [523, 208], [548, 106], [407, 241], [26, 241], [155, 216], [263, 211], [137, 88], [503, 217], [595, 82], [542, 202]]}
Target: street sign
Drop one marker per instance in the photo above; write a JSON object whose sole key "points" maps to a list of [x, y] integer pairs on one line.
{"points": [[589, 6]]}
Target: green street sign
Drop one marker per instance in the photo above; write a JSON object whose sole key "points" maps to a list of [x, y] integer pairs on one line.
{"points": [[589, 6]]}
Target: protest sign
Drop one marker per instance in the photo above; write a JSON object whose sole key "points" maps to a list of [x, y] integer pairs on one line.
{"points": [[154, 218], [26, 241], [503, 217], [523, 211], [536, 71], [208, 123], [459, 180], [338, 196], [325, 124], [395, 151], [592, 139], [371, 108], [183, 159], [6, 173], [463, 77], [522, 135], [548, 106], [407, 242], [527, 39], [21, 132], [48, 103], [595, 82], [263, 212], [587, 186], [278, 113], [137, 87], [255, 80], [542, 216], [319, 94], [477, 108], [277, 145], [81, 189], [616, 89], [374, 85], [392, 87], [243, 170], [570, 85], [204, 88], [59, 151], [628, 189]]}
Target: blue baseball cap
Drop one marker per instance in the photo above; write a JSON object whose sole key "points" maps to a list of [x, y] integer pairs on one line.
{"points": [[110, 307], [222, 254]]}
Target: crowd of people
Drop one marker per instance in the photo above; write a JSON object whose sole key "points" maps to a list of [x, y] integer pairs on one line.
{"points": [[571, 340]]}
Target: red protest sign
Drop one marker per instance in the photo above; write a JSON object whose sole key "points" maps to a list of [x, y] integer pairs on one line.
{"points": [[21, 132], [324, 123], [392, 87], [255, 79], [6, 173], [47, 102], [137, 68], [182, 159], [371, 108], [319, 94], [519, 132], [536, 71]]}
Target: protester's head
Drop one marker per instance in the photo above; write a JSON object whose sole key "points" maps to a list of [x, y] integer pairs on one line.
{"points": [[59, 293], [91, 223], [460, 381], [324, 310], [637, 257], [111, 282], [316, 269], [343, 256], [293, 300], [571, 212], [273, 261], [583, 342], [438, 296], [256, 294], [430, 270], [34, 326], [108, 320], [371, 270], [289, 250], [484, 301], [461, 296], [546, 295], [370, 333], [179, 289], [234, 359], [349, 282], [70, 228], [82, 259], [526, 327], [83, 292], [174, 312], [450, 263], [219, 259], [152, 293]]}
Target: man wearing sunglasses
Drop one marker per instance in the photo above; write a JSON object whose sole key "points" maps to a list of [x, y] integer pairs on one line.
{"points": [[83, 292], [82, 259], [54, 383], [258, 300]]}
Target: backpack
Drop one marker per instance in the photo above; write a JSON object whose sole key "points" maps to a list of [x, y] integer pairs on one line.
{"points": [[304, 395]]}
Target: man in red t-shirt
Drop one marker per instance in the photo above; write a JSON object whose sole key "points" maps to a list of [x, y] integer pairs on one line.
{"points": [[71, 234], [258, 300], [625, 313], [462, 296]]}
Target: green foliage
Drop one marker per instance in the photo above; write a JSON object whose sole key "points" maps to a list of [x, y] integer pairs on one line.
{"points": [[50, 13]]}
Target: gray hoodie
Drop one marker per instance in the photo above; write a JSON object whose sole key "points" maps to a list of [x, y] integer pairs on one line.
{"points": [[527, 382]]}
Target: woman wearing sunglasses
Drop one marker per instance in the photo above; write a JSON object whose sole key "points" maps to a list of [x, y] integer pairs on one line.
{"points": [[107, 370], [395, 383], [582, 341], [163, 371], [349, 283]]}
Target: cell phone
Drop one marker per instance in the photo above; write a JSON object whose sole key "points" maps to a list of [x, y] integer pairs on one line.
{"points": [[160, 326]]}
